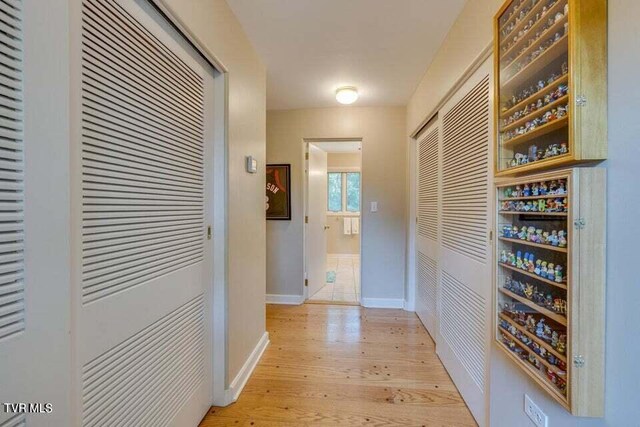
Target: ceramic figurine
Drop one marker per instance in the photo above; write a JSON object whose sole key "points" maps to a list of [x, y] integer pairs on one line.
{"points": [[518, 192], [543, 269], [531, 232], [531, 323], [532, 264], [554, 339], [553, 238], [538, 269], [562, 344], [503, 257], [526, 191], [551, 271], [514, 231], [542, 205], [540, 328], [543, 188], [528, 291], [558, 274], [545, 237], [535, 190], [519, 259], [512, 259], [563, 148], [538, 236], [566, 8], [547, 332], [562, 240], [522, 235]]}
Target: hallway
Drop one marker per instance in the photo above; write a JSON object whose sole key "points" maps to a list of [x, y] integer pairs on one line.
{"points": [[346, 366]]}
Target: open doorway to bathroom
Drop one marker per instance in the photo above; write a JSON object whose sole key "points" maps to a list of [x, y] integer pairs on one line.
{"points": [[333, 221]]}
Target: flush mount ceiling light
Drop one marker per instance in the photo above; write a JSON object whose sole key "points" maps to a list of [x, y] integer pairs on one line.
{"points": [[347, 95]]}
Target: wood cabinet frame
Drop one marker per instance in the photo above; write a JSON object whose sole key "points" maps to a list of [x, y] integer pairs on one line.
{"points": [[585, 285], [587, 80]]}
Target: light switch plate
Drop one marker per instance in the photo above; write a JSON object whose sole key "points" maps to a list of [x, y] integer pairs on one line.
{"points": [[534, 412], [374, 206], [251, 164]]}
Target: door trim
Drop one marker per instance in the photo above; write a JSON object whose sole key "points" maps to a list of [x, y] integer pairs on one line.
{"points": [[305, 199]]}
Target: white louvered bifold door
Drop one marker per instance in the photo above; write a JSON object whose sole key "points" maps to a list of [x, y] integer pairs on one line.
{"points": [[465, 251], [427, 227], [144, 201], [34, 215]]}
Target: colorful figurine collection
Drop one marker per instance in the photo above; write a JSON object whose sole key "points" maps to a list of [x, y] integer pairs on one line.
{"points": [[534, 154], [556, 338], [536, 235], [548, 43], [557, 377], [543, 101], [557, 205], [544, 269], [547, 117], [536, 189], [533, 21], [526, 290], [532, 90], [556, 187]]}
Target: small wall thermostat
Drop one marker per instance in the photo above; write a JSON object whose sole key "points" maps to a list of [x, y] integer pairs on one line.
{"points": [[252, 164]]}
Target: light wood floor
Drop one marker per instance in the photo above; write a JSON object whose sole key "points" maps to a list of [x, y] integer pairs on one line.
{"points": [[345, 366]]}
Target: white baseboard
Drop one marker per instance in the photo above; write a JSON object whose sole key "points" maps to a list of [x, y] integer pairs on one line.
{"points": [[382, 302], [285, 299], [409, 306], [238, 383]]}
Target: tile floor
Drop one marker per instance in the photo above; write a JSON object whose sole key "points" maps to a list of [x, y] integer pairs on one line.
{"points": [[346, 288]]}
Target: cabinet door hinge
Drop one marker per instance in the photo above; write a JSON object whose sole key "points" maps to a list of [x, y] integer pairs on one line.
{"points": [[306, 282], [581, 100], [491, 235], [580, 223], [306, 156], [578, 361], [306, 220], [209, 233]]}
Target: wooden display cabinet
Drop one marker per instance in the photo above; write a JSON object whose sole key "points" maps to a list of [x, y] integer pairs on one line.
{"points": [[551, 84], [534, 309]]}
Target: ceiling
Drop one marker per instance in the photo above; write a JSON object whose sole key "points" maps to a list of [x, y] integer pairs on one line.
{"points": [[339, 146], [312, 47]]}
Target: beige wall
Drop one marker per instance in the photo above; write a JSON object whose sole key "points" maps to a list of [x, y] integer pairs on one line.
{"points": [[467, 38], [383, 171], [218, 30], [337, 241]]}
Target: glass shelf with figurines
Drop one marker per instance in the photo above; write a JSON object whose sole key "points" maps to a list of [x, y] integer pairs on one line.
{"points": [[550, 235], [541, 59]]}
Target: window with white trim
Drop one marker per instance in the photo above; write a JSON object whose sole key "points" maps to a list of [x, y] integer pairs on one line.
{"points": [[343, 192]]}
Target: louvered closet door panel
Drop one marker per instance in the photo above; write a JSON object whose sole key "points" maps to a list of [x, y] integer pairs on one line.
{"points": [[465, 273], [145, 155], [427, 204], [12, 304]]}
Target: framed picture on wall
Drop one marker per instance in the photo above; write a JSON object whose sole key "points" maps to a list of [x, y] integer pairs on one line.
{"points": [[278, 199]]}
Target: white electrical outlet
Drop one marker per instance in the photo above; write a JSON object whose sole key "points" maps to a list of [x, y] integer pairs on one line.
{"points": [[538, 417]]}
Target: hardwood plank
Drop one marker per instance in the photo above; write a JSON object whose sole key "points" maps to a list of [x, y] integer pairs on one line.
{"points": [[346, 366]]}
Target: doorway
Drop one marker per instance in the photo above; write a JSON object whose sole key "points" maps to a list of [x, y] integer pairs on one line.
{"points": [[333, 221]]}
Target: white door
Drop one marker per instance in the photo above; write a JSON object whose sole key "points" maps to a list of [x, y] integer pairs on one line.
{"points": [[34, 203], [464, 296], [316, 236], [143, 203], [427, 227]]}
